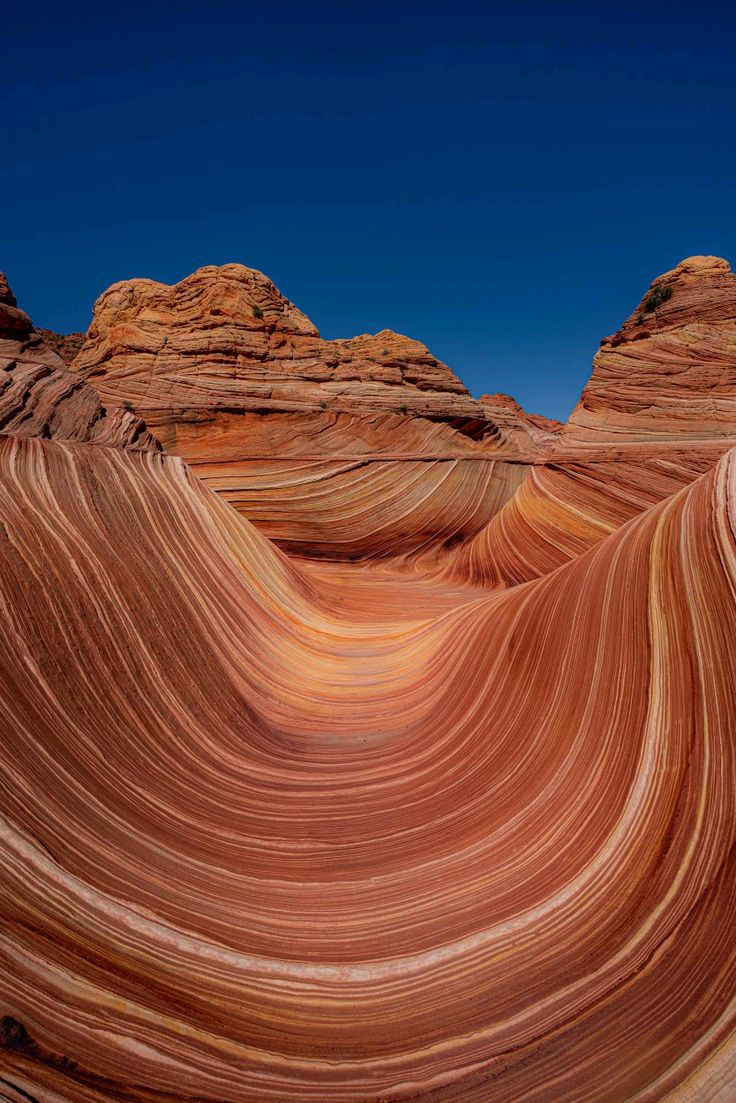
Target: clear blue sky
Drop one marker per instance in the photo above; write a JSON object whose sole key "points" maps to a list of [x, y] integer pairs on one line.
{"points": [[501, 182]]}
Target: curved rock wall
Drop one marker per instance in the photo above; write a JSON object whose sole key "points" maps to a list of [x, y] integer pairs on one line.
{"points": [[253, 850]]}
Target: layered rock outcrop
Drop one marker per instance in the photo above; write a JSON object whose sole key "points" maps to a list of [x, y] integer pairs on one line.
{"points": [[65, 345], [668, 376], [39, 397], [658, 411], [226, 341], [528, 436], [311, 439]]}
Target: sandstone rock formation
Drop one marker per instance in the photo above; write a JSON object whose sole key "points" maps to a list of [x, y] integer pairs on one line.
{"points": [[269, 854], [667, 376], [231, 376], [40, 397], [288, 831], [226, 341], [530, 436], [659, 410], [65, 345]]}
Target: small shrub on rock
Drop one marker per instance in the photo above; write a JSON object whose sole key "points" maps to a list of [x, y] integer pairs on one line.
{"points": [[656, 297]]}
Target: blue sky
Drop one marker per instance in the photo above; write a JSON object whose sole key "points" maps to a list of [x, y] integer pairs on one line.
{"points": [[501, 184]]}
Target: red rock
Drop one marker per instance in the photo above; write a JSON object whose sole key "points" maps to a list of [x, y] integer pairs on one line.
{"points": [[226, 340], [263, 840], [39, 397], [65, 345], [530, 436], [668, 375], [289, 832], [657, 412], [231, 376]]}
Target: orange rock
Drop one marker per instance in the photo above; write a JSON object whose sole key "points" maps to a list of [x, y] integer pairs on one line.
{"points": [[669, 374], [531, 436], [232, 377], [225, 340], [262, 840], [65, 345], [657, 412], [40, 397]]}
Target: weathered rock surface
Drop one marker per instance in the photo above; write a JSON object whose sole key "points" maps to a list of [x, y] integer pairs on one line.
{"points": [[530, 436], [65, 345], [225, 340], [271, 839], [659, 410], [39, 397], [669, 374], [311, 439]]}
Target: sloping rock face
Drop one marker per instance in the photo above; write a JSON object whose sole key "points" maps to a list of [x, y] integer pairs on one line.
{"points": [[530, 436], [669, 375], [350, 448], [40, 397], [65, 345], [285, 831], [658, 411]]}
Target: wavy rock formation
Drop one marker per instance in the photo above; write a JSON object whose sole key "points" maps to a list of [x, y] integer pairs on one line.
{"points": [[40, 397], [280, 831], [254, 852], [659, 410], [231, 376], [530, 436]]}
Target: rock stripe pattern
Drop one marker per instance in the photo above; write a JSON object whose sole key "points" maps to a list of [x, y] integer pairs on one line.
{"points": [[253, 850]]}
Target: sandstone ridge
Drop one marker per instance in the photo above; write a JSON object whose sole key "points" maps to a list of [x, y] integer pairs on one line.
{"points": [[668, 376], [233, 378], [226, 341], [280, 830]]}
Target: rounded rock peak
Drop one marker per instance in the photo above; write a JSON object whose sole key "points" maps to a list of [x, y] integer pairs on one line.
{"points": [[227, 292], [233, 271], [700, 266]]}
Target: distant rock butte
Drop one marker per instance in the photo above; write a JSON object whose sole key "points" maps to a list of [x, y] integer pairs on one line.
{"points": [[527, 434], [40, 397], [65, 345]]}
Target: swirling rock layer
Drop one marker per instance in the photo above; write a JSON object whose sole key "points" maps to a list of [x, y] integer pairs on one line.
{"points": [[280, 830], [281, 855]]}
